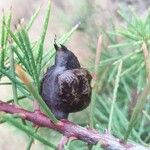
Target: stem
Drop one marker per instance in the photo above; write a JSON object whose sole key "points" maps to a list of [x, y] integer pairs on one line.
{"points": [[31, 141], [6, 83], [97, 60], [92, 105], [114, 96], [146, 114], [69, 129], [30, 144], [12, 66], [142, 100]]}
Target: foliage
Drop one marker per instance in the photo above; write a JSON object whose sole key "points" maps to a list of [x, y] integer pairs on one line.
{"points": [[121, 78], [127, 86]]}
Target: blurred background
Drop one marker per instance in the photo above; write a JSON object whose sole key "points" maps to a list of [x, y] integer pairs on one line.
{"points": [[94, 16]]}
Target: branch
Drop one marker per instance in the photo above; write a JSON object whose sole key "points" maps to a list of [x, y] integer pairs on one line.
{"points": [[69, 129]]}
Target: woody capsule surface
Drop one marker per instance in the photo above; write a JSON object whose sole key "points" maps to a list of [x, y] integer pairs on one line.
{"points": [[65, 87]]}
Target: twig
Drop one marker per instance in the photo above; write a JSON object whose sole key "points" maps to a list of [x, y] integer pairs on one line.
{"points": [[70, 129]]}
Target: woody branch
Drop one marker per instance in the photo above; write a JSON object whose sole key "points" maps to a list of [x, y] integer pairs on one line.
{"points": [[69, 129]]}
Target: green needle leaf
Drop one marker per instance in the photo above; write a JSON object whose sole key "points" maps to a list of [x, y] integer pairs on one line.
{"points": [[42, 39], [29, 131]]}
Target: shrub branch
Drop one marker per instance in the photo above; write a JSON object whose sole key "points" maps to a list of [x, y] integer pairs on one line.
{"points": [[69, 129]]}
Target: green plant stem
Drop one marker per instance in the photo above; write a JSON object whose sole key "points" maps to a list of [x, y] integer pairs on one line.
{"points": [[31, 141], [2, 57], [92, 106], [42, 38], [114, 96], [146, 115], [19, 98], [95, 86], [12, 66], [9, 26], [139, 105], [6, 83], [29, 25], [30, 144], [19, 85], [31, 56], [27, 130], [22, 59], [142, 100], [143, 120]]}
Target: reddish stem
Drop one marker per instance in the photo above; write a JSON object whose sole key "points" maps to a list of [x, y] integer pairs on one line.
{"points": [[69, 129]]}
